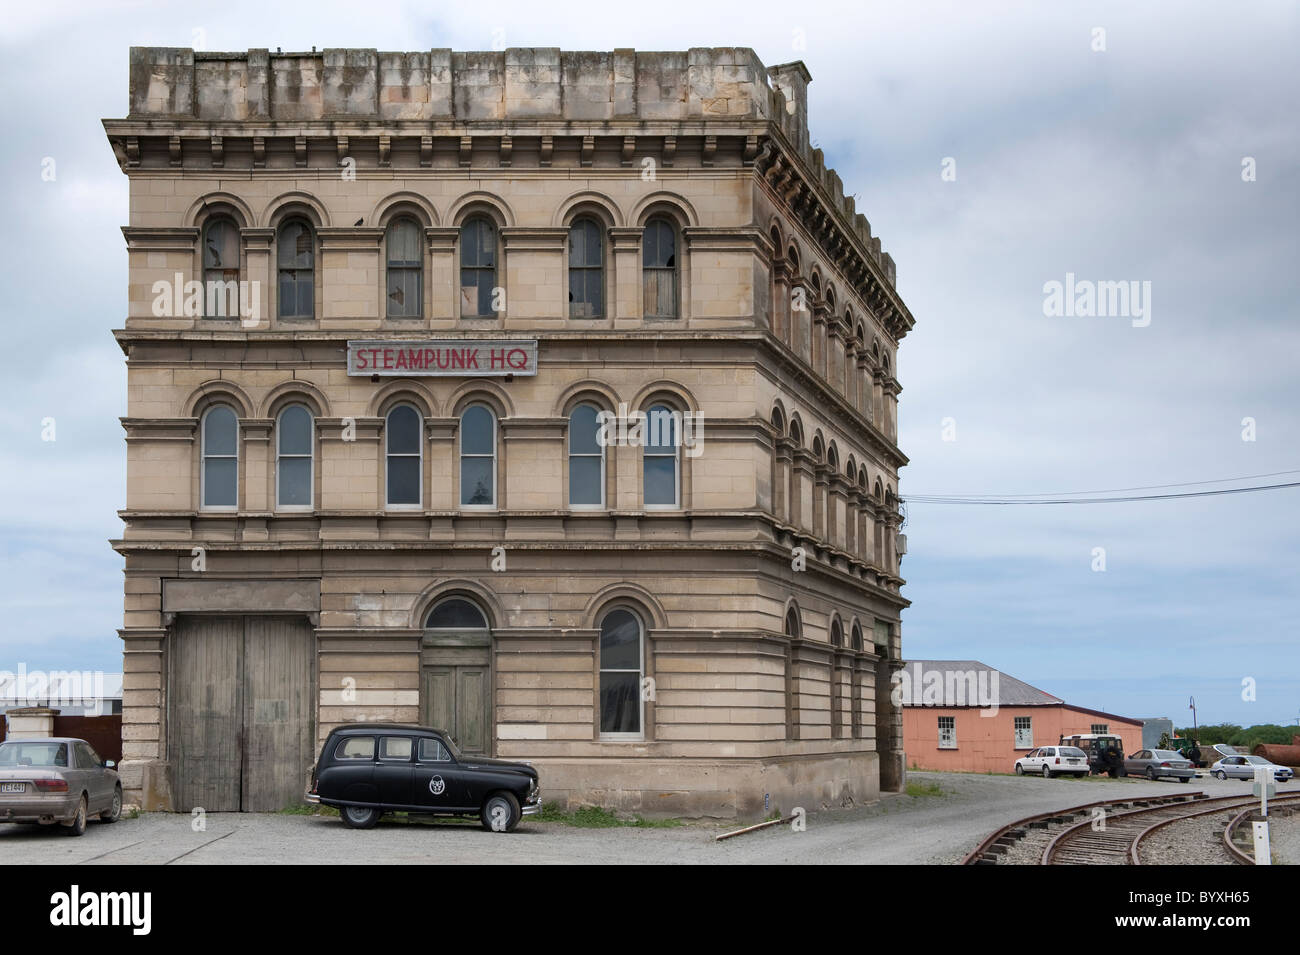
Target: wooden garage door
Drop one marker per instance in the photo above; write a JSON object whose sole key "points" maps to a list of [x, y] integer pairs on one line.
{"points": [[240, 712]]}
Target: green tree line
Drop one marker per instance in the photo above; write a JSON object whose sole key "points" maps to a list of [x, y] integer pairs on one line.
{"points": [[1244, 738]]}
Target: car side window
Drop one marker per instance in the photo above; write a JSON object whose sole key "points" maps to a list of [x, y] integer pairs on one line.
{"points": [[1048, 751], [86, 758], [396, 748], [356, 747], [432, 751]]}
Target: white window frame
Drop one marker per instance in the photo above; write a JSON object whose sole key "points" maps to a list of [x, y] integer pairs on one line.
{"points": [[676, 456], [203, 462], [571, 455], [461, 456], [638, 736], [310, 456], [418, 505], [1100, 729], [1017, 730], [951, 740]]}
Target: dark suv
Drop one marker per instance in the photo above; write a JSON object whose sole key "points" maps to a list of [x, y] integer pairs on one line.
{"points": [[368, 769]]}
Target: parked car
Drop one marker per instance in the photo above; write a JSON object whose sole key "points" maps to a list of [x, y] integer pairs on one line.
{"points": [[1053, 760], [57, 780], [1157, 763], [368, 769], [1243, 767], [1105, 752]]}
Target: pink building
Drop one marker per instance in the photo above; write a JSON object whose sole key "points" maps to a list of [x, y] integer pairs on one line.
{"points": [[965, 716]]}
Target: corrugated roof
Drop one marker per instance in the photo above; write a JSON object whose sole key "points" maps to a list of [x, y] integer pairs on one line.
{"points": [[956, 681]]}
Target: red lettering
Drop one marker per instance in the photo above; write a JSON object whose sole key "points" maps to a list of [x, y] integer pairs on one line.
{"points": [[471, 360], [374, 358], [361, 359], [401, 358], [388, 358], [498, 358], [520, 362]]}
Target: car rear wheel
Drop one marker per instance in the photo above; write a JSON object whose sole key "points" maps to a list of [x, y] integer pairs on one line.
{"points": [[359, 817], [1151, 773], [77, 826], [1183, 779], [1221, 774], [1047, 773], [500, 813], [114, 811]]}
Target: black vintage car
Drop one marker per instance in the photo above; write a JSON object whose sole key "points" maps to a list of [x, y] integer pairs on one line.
{"points": [[368, 769]]}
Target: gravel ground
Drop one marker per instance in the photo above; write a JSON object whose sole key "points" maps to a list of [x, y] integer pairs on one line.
{"points": [[1196, 841], [1284, 839], [899, 829]]}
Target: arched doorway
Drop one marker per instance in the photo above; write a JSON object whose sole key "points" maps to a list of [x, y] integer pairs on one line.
{"points": [[456, 674]]}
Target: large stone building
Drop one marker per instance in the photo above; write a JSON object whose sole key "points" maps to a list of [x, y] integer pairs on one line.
{"points": [[382, 307]]}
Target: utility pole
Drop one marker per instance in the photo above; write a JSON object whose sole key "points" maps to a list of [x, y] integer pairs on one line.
{"points": [[1191, 705]]}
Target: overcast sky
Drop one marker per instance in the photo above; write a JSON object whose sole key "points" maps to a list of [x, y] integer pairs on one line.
{"points": [[1115, 164]]}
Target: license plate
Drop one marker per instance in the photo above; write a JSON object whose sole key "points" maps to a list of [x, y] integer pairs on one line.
{"points": [[13, 787], [1075, 761]]}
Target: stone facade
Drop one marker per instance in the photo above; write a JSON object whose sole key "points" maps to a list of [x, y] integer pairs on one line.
{"points": [[768, 592]]}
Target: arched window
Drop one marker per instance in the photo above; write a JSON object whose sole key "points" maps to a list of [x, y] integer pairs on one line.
{"points": [[586, 269], [659, 269], [792, 628], [293, 458], [220, 478], [660, 459], [622, 669], [837, 683], [586, 459], [856, 639], [221, 268], [478, 457], [478, 267], [295, 253], [403, 456], [456, 614], [405, 286], [837, 634]]}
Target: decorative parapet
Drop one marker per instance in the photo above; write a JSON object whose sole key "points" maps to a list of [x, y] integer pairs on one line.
{"points": [[346, 95]]}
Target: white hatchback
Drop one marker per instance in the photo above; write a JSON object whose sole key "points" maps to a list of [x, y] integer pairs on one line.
{"points": [[1049, 761]]}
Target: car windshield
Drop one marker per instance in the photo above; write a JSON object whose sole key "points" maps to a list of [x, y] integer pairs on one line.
{"points": [[1071, 751], [451, 745], [1166, 754], [34, 754]]}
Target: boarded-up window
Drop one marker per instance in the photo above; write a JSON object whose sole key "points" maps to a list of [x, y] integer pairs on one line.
{"points": [[296, 258], [659, 269], [404, 290], [586, 271], [221, 269], [478, 267]]}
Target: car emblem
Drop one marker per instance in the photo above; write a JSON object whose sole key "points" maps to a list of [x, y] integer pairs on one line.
{"points": [[436, 785]]}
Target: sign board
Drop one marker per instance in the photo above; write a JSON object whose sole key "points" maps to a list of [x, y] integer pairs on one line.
{"points": [[446, 357]]}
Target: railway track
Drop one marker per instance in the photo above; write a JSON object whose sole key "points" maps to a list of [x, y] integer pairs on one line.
{"points": [[1068, 837]]}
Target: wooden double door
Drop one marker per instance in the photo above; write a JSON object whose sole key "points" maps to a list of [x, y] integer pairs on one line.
{"points": [[240, 712], [456, 689]]}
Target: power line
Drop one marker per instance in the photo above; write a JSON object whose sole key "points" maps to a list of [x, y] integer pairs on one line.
{"points": [[940, 499], [1112, 490]]}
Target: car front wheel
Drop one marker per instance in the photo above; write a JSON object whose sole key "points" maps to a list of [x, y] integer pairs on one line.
{"points": [[359, 817], [1020, 770], [500, 813], [114, 811], [77, 825]]}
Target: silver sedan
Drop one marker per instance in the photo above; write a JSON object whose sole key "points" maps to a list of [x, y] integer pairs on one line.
{"points": [[57, 780], [1244, 767], [1155, 763]]}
